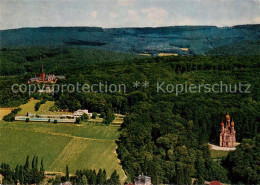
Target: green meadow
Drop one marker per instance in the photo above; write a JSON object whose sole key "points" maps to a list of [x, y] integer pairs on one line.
{"points": [[28, 108], [44, 108], [79, 147], [217, 154]]}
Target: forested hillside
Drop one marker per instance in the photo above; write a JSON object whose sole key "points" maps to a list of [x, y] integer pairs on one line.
{"points": [[198, 39], [237, 49], [21, 60], [164, 135], [243, 163]]}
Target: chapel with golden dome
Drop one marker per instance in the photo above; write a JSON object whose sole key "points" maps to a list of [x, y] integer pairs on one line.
{"points": [[227, 136]]}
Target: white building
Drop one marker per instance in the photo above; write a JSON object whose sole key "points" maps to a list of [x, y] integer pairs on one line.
{"points": [[143, 180], [79, 113]]}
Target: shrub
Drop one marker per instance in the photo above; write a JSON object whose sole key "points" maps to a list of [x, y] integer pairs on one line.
{"points": [[84, 117], [37, 106], [63, 179], [27, 120], [50, 180], [109, 117], [11, 116], [94, 115], [55, 121], [102, 115], [77, 121], [53, 108], [43, 101]]}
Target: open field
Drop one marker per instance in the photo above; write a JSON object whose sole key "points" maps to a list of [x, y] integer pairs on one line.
{"points": [[81, 147], [167, 54], [4, 111], [28, 107], [72, 130], [44, 108]]}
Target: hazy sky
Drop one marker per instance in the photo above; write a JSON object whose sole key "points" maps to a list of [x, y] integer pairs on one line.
{"points": [[127, 13]]}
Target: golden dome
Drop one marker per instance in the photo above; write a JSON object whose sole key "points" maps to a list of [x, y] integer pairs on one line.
{"points": [[228, 116], [232, 124]]}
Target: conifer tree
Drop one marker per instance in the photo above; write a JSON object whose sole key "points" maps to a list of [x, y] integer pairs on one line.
{"points": [[104, 176], [36, 163], [42, 170], [114, 179], [21, 176], [84, 180], [92, 177], [67, 173], [16, 174], [33, 162], [100, 177], [26, 165]]}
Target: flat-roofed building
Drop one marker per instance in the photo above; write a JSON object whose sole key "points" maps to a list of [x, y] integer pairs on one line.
{"points": [[79, 113]]}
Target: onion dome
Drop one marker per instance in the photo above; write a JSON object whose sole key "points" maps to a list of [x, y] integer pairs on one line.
{"points": [[232, 124], [222, 124], [228, 116]]}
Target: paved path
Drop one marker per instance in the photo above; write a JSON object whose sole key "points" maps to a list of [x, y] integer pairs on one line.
{"points": [[215, 147]]}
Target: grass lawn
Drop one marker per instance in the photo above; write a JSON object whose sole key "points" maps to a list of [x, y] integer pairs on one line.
{"points": [[44, 108], [217, 154], [119, 119], [4, 112], [97, 120], [28, 107], [79, 146]]}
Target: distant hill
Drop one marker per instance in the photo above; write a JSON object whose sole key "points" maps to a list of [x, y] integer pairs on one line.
{"points": [[198, 39], [237, 49]]}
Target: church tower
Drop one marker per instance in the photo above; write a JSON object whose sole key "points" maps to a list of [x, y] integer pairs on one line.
{"points": [[42, 74], [227, 136]]}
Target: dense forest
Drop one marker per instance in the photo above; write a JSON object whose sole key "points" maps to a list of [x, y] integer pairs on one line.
{"points": [[164, 135], [243, 164]]}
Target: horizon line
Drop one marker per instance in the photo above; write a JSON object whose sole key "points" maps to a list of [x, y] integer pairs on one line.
{"points": [[26, 27]]}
